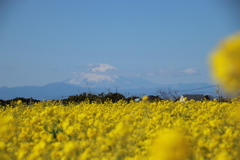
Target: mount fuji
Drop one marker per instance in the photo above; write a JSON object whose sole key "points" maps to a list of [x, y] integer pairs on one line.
{"points": [[96, 80]]}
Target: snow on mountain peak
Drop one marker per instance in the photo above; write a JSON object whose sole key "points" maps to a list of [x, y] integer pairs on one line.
{"points": [[91, 77], [99, 75], [96, 73], [102, 67]]}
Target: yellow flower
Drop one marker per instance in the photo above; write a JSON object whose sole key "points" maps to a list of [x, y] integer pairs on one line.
{"points": [[225, 63], [39, 147], [223, 156], [61, 137], [4, 123], [19, 102], [91, 132], [170, 145], [2, 146], [69, 148], [145, 98]]}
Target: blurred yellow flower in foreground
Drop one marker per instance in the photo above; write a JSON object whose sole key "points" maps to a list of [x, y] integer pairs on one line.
{"points": [[4, 123], [225, 63], [170, 145]]}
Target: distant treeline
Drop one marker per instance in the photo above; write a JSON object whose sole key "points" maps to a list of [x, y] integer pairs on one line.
{"points": [[99, 98], [24, 100], [102, 97]]}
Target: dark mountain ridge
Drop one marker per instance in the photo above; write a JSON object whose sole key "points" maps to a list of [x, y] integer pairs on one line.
{"points": [[61, 90]]}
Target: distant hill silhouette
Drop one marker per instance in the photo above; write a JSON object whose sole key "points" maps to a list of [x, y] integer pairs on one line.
{"points": [[63, 90]]}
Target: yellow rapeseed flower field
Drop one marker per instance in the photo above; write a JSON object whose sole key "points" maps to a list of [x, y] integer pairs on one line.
{"points": [[166, 130]]}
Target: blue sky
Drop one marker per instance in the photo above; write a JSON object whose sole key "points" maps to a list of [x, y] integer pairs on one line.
{"points": [[46, 41]]}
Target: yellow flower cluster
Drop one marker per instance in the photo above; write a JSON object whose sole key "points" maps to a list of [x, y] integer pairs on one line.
{"points": [[143, 130], [225, 63]]}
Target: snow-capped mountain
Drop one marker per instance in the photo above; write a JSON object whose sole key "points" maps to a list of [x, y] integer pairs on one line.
{"points": [[100, 78], [106, 76], [108, 81]]}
